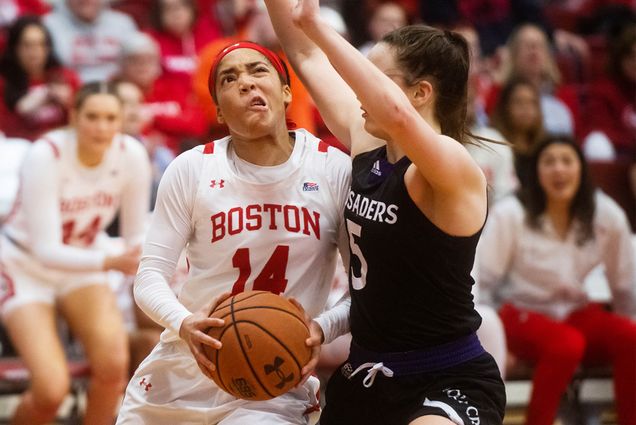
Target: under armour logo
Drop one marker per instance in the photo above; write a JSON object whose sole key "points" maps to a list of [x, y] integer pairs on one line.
{"points": [[214, 184], [147, 386], [278, 362]]}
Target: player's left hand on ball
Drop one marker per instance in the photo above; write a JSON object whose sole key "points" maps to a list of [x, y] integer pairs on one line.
{"points": [[194, 332], [314, 341]]}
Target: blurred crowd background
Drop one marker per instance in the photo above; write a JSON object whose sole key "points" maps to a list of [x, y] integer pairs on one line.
{"points": [[540, 67]]}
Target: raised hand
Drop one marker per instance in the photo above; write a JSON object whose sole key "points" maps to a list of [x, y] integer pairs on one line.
{"points": [[305, 12]]}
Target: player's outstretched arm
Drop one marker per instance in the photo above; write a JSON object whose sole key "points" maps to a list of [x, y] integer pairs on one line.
{"points": [[336, 102], [445, 164]]}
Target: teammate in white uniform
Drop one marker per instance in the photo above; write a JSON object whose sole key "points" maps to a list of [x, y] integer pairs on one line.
{"points": [[260, 209], [73, 181]]}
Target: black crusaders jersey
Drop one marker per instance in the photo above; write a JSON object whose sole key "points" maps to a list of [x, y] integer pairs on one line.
{"points": [[410, 282]]}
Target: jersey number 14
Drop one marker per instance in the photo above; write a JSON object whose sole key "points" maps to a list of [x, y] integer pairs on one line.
{"points": [[272, 276]]}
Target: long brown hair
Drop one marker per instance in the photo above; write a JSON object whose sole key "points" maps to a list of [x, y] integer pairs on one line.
{"points": [[440, 57], [551, 73], [501, 119], [10, 67]]}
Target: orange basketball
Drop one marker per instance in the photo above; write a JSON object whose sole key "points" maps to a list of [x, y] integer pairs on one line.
{"points": [[263, 348]]}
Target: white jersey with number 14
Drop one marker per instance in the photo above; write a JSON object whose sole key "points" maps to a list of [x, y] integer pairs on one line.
{"points": [[244, 234]]}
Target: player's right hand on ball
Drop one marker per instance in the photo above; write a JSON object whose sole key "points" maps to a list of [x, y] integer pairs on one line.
{"points": [[314, 342], [194, 332]]}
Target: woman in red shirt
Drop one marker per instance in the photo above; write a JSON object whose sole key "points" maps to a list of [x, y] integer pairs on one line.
{"points": [[35, 90], [181, 36]]}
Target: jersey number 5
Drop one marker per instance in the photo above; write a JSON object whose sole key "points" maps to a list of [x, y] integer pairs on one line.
{"points": [[271, 278], [357, 281]]}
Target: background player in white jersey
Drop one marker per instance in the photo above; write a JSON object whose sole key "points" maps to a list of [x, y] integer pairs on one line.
{"points": [[73, 181], [260, 209]]}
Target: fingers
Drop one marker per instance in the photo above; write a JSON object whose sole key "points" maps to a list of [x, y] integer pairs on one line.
{"points": [[206, 339], [312, 341], [205, 364], [217, 301], [317, 336], [211, 322], [309, 368], [202, 323]]}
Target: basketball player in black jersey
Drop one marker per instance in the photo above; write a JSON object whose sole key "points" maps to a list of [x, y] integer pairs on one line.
{"points": [[414, 215]]}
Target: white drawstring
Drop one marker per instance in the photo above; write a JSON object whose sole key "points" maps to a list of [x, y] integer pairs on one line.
{"points": [[375, 368]]}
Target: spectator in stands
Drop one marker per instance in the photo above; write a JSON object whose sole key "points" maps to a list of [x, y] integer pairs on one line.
{"points": [[535, 252], [134, 125], [385, 17], [181, 36], [611, 107], [87, 37], [10, 10], [54, 254], [481, 74], [172, 117], [517, 116], [494, 159], [35, 90], [258, 29], [496, 20], [529, 56]]}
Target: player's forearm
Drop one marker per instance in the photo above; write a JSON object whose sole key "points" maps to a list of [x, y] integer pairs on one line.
{"points": [[378, 94], [335, 321], [295, 43], [154, 296], [69, 258]]}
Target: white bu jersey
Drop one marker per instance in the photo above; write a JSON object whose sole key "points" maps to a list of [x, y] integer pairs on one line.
{"points": [[69, 203], [242, 234]]}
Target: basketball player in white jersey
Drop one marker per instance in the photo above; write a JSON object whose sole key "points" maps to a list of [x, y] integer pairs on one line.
{"points": [[258, 210], [73, 181]]}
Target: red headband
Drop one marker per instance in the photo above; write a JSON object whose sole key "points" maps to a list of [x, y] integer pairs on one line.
{"points": [[273, 58]]}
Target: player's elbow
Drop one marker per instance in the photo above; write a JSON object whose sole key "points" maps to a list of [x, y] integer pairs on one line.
{"points": [[397, 117]]}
